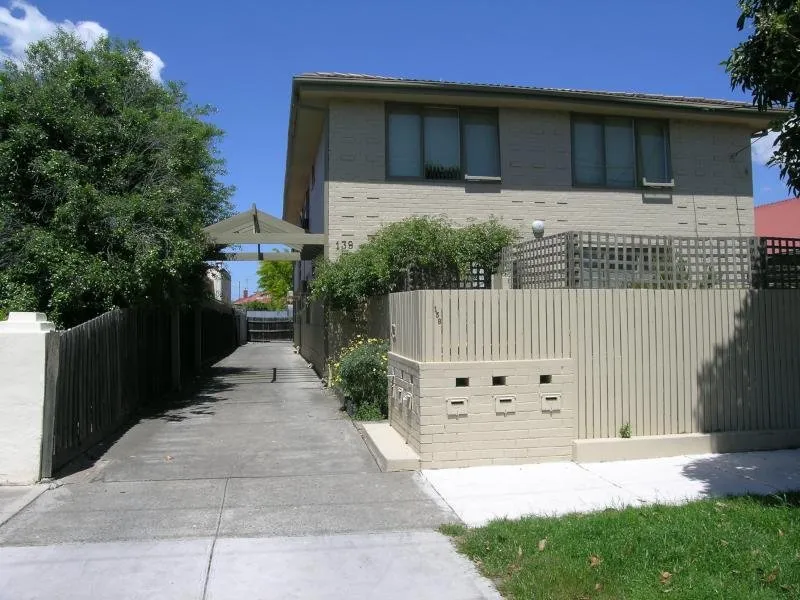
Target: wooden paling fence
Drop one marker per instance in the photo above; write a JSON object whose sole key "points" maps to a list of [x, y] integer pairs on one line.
{"points": [[309, 335], [321, 334], [100, 373], [664, 361]]}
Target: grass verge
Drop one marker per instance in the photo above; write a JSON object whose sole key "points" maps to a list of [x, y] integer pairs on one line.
{"points": [[731, 548]]}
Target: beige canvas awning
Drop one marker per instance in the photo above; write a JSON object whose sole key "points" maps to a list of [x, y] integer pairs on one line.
{"points": [[256, 227]]}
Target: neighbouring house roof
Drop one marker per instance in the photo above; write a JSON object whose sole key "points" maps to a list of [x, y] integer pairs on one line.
{"points": [[255, 297], [778, 219], [312, 92]]}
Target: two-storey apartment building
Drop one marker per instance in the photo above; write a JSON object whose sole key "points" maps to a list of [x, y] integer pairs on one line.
{"points": [[364, 151]]}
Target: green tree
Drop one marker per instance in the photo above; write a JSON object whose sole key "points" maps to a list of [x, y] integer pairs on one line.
{"points": [[275, 278], [107, 180], [766, 65]]}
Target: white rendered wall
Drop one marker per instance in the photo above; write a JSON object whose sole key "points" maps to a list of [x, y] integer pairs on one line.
{"points": [[22, 376]]}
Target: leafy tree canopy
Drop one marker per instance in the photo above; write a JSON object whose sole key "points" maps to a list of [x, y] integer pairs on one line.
{"points": [[275, 278], [429, 246], [107, 180], [766, 64]]}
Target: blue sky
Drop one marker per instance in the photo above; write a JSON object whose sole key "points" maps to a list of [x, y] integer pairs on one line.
{"points": [[240, 57]]}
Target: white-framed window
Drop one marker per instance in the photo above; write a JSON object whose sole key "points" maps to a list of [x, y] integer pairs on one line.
{"points": [[441, 143], [619, 152]]}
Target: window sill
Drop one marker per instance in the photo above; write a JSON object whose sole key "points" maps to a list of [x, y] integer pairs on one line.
{"points": [[396, 179], [482, 179], [465, 179], [658, 184]]}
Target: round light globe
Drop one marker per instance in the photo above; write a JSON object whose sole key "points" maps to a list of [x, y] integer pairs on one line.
{"points": [[537, 227]]}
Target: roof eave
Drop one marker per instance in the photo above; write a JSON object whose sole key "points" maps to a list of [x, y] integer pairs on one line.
{"points": [[337, 85], [289, 144]]}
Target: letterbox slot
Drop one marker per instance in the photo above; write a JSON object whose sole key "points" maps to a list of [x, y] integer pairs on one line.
{"points": [[505, 404], [551, 402], [457, 407]]}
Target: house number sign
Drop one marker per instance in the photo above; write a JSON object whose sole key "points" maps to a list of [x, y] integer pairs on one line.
{"points": [[341, 246]]}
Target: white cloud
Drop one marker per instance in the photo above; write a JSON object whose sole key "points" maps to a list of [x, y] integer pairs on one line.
{"points": [[154, 64], [23, 24], [762, 149]]}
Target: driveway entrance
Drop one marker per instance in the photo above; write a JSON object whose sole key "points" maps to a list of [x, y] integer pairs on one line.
{"points": [[244, 457]]}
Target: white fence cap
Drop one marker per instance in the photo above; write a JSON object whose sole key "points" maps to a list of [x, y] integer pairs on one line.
{"points": [[26, 322]]}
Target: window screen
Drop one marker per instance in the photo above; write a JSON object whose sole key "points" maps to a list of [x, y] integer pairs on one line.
{"points": [[405, 136], [481, 145]]}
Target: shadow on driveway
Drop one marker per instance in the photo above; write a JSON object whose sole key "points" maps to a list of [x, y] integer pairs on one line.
{"points": [[197, 398]]}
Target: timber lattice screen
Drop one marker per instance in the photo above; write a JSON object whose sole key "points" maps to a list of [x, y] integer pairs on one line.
{"points": [[592, 260]]}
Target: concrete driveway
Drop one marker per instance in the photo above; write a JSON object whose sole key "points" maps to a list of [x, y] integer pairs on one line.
{"points": [[248, 488]]}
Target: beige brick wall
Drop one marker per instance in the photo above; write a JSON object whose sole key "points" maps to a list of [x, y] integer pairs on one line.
{"points": [[711, 167], [485, 433]]}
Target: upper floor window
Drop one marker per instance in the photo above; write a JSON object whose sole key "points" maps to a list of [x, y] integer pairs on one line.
{"points": [[442, 143], [617, 152]]}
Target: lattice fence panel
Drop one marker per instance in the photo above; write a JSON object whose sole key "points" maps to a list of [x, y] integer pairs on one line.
{"points": [[606, 260]]}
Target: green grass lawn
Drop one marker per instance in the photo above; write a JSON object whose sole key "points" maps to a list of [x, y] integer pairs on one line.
{"points": [[734, 548]]}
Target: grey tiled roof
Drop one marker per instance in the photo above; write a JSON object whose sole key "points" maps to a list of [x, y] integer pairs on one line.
{"points": [[589, 94]]}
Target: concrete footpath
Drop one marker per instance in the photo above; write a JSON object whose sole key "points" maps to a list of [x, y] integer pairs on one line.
{"points": [[13, 498], [247, 489], [481, 494]]}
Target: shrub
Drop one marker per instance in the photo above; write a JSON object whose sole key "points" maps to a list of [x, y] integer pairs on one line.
{"points": [[432, 246], [360, 373]]}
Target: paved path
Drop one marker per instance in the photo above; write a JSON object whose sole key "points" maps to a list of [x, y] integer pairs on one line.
{"points": [[247, 489], [481, 494], [13, 498]]}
